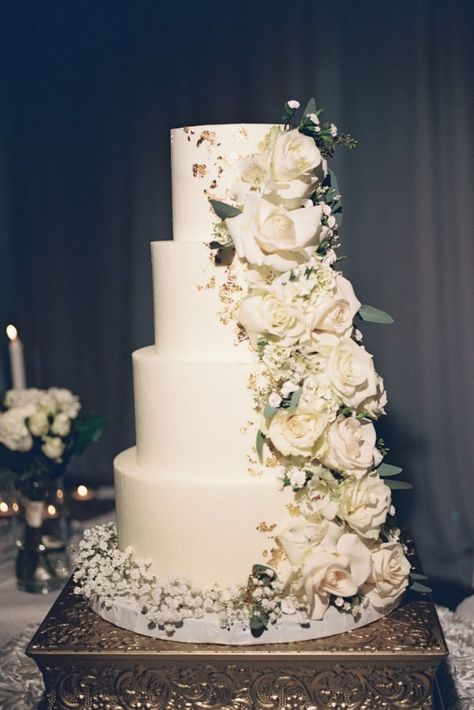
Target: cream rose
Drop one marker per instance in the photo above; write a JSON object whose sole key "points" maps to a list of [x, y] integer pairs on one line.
{"points": [[38, 424], [264, 314], [389, 575], [52, 447], [298, 539], [340, 572], [351, 372], [349, 446], [364, 504], [295, 164], [319, 499], [374, 406], [14, 433], [264, 234], [335, 312], [61, 424], [296, 433]]}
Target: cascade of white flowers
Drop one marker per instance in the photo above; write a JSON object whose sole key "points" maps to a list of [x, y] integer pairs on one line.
{"points": [[317, 390]]}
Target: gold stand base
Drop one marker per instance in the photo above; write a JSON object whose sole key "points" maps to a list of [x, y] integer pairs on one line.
{"points": [[90, 664]]}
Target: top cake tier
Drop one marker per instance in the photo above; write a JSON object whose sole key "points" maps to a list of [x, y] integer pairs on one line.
{"points": [[204, 165]]}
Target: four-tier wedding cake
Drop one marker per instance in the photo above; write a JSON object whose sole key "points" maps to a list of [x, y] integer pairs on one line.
{"points": [[255, 504]]}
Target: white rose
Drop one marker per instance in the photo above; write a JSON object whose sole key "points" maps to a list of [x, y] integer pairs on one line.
{"points": [[38, 423], [296, 433], [292, 161], [340, 572], [14, 433], [320, 497], [18, 398], [67, 402], [349, 446], [335, 312], [298, 539], [267, 235], [264, 314], [389, 575], [61, 424], [351, 372], [318, 394], [364, 504], [53, 447], [374, 407]]}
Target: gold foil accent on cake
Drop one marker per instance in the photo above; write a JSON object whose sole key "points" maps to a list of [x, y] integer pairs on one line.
{"points": [[241, 136], [209, 136], [199, 170], [240, 334], [252, 382], [210, 284], [249, 424], [188, 133], [227, 295], [293, 510], [272, 462], [278, 554], [266, 527]]}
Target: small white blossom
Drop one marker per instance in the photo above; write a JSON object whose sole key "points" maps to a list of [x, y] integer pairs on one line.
{"points": [[313, 118], [293, 104], [333, 130], [339, 601], [274, 400]]}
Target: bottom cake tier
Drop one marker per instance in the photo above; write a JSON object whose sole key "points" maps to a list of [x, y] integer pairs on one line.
{"points": [[210, 531]]}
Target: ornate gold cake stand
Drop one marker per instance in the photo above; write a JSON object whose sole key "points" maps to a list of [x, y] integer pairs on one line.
{"points": [[89, 664]]}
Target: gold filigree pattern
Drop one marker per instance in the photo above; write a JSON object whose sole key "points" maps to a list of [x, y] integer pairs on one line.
{"points": [[89, 664]]}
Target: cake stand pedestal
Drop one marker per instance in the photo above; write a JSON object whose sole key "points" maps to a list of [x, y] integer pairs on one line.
{"points": [[89, 664]]}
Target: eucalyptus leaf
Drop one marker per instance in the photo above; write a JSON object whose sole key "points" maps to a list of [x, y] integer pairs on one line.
{"points": [[220, 245], [223, 210], [269, 411], [398, 485], [337, 203], [258, 570], [259, 445], [417, 575], [295, 398], [374, 315], [310, 107], [421, 588], [387, 469]]}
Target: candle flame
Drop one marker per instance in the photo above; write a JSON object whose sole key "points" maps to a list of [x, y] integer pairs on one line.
{"points": [[59, 494], [51, 510], [12, 332], [15, 507], [82, 491], [3, 507]]}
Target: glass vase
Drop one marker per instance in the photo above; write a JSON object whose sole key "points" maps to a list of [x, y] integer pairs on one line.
{"points": [[42, 563]]}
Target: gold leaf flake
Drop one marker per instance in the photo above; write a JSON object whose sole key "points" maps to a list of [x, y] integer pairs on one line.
{"points": [[199, 170], [293, 510], [278, 554], [209, 136], [272, 462], [255, 474], [266, 527]]}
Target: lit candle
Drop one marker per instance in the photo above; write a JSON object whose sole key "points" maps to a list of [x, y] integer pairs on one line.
{"points": [[17, 362], [52, 511], [5, 511], [82, 493]]}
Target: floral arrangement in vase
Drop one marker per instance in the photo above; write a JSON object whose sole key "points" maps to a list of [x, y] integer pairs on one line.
{"points": [[40, 431]]}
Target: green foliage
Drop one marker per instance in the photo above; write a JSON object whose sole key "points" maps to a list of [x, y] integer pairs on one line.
{"points": [[294, 400], [420, 588], [259, 442], [398, 485], [387, 469], [88, 431], [223, 210], [374, 315]]}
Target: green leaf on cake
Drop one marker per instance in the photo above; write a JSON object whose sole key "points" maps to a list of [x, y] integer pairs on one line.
{"points": [[420, 588], [269, 411], [374, 315], [220, 245], [260, 440], [418, 576], [387, 469], [223, 210], [399, 485], [333, 197], [294, 401]]}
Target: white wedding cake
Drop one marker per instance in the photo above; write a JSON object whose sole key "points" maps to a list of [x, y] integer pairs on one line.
{"points": [[255, 493]]}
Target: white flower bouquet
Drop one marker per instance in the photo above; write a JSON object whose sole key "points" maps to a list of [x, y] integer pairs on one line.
{"points": [[40, 430]]}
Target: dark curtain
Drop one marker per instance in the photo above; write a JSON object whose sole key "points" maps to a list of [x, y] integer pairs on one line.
{"points": [[88, 93]]}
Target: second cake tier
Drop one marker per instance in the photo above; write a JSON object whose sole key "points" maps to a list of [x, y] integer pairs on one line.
{"points": [[194, 419]]}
